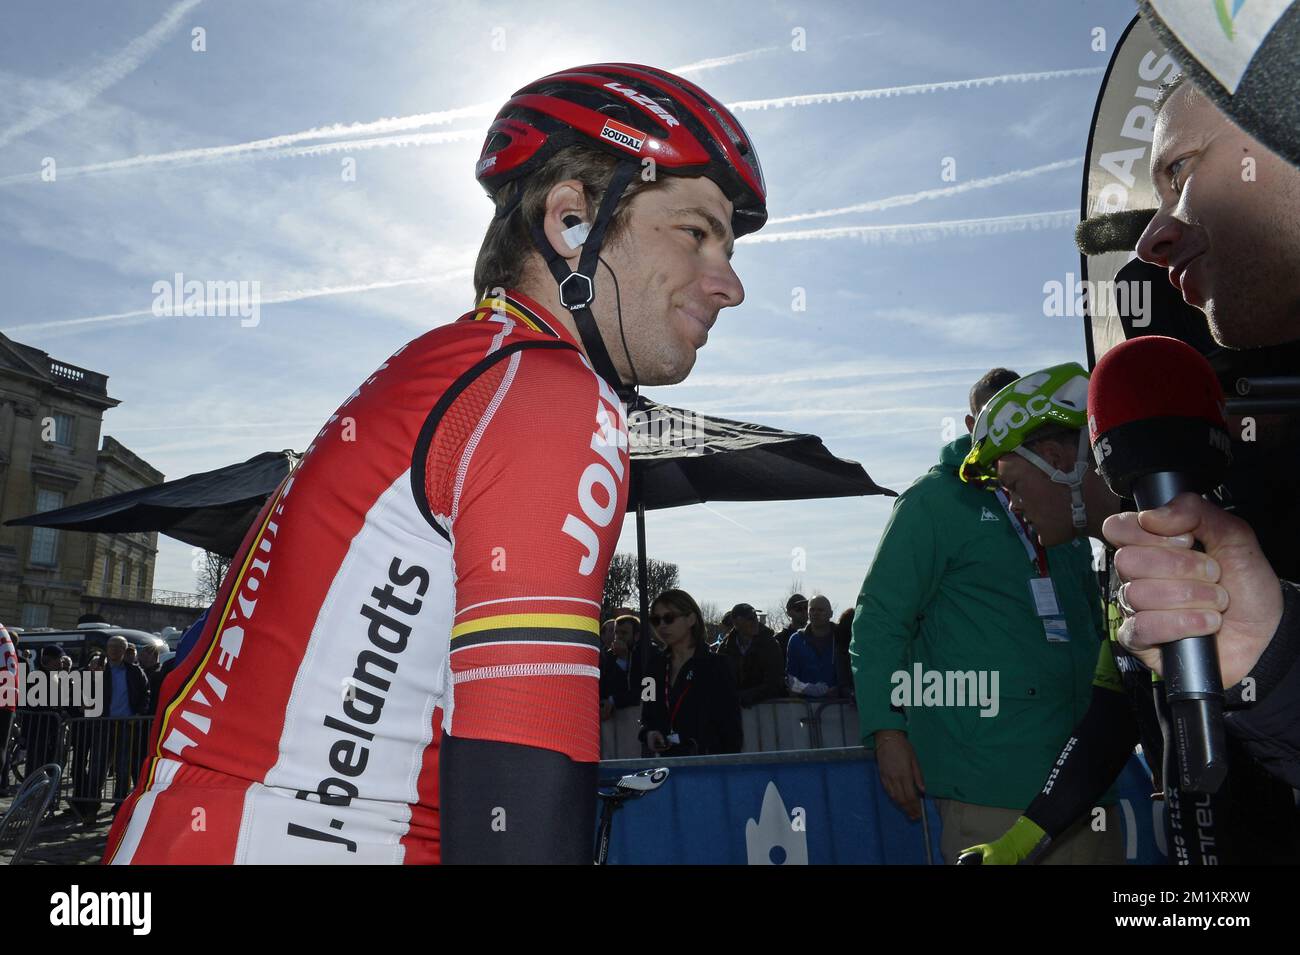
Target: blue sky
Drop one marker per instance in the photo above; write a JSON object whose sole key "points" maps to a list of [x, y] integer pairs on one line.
{"points": [[898, 321]]}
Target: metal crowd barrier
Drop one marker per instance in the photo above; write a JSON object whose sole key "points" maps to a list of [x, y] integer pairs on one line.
{"points": [[36, 738], [102, 759], [100, 756], [780, 725]]}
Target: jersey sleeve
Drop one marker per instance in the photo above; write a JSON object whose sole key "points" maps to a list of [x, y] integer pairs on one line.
{"points": [[1106, 676], [529, 470]]}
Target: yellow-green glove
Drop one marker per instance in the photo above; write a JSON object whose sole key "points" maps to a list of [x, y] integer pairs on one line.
{"points": [[1011, 848]]}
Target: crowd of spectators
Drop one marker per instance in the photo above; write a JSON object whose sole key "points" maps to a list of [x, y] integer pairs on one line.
{"points": [[695, 686], [100, 729]]}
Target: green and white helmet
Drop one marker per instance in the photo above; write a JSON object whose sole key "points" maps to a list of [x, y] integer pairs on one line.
{"points": [[1056, 395]]}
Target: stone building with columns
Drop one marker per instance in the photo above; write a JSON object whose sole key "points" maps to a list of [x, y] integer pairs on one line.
{"points": [[51, 456]]}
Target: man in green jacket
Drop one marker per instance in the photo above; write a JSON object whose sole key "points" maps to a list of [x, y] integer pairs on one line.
{"points": [[973, 654]]}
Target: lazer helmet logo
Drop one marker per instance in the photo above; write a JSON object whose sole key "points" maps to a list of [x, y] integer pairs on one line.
{"points": [[620, 135], [642, 100], [485, 164]]}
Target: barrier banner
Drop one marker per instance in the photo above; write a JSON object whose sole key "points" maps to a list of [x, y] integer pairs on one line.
{"points": [[813, 807]]}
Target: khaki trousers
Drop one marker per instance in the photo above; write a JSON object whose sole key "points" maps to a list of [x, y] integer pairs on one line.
{"points": [[966, 825]]}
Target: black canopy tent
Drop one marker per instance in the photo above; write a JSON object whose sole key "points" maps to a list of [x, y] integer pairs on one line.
{"points": [[681, 457], [678, 458], [212, 509]]}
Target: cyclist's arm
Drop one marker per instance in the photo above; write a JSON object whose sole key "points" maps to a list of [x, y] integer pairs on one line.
{"points": [[1091, 760], [534, 501]]}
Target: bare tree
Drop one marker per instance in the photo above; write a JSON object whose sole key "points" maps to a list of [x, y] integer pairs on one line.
{"points": [[660, 576], [711, 614], [620, 584], [777, 618], [211, 574]]}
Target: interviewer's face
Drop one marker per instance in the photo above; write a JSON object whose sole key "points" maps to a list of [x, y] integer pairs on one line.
{"points": [[1228, 225]]}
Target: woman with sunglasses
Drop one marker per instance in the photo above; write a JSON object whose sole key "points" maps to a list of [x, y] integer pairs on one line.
{"points": [[695, 710]]}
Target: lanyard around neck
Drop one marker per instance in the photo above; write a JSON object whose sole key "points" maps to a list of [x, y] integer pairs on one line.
{"points": [[1037, 553]]}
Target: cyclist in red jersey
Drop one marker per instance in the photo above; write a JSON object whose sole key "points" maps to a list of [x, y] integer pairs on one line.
{"points": [[402, 664]]}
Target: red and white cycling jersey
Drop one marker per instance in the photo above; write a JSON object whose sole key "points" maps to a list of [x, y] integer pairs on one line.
{"points": [[434, 564], [8, 676]]}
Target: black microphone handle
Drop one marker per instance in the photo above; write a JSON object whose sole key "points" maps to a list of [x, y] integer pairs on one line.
{"points": [[1193, 683]]}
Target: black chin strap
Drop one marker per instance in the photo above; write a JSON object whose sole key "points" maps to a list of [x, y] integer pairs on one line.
{"points": [[578, 288]]}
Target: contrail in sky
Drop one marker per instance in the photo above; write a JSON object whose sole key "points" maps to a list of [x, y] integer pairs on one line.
{"points": [[109, 73], [884, 92], [909, 198], [273, 147], [929, 231], [733, 58], [279, 298], [223, 154]]}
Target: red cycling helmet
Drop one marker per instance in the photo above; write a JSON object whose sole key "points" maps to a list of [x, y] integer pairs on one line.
{"points": [[632, 112]]}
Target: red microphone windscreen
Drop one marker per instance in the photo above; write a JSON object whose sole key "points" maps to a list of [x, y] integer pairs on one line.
{"points": [[1152, 377]]}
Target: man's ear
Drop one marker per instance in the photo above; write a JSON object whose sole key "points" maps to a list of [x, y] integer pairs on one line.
{"points": [[565, 199], [1057, 454]]}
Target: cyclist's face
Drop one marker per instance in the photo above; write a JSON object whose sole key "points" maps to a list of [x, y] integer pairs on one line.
{"points": [[1038, 499], [674, 277]]}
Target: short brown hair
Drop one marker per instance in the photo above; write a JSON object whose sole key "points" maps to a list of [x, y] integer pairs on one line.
{"points": [[508, 242]]}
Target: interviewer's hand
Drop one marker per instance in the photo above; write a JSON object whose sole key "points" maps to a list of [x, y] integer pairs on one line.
{"points": [[1178, 592], [899, 771]]}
